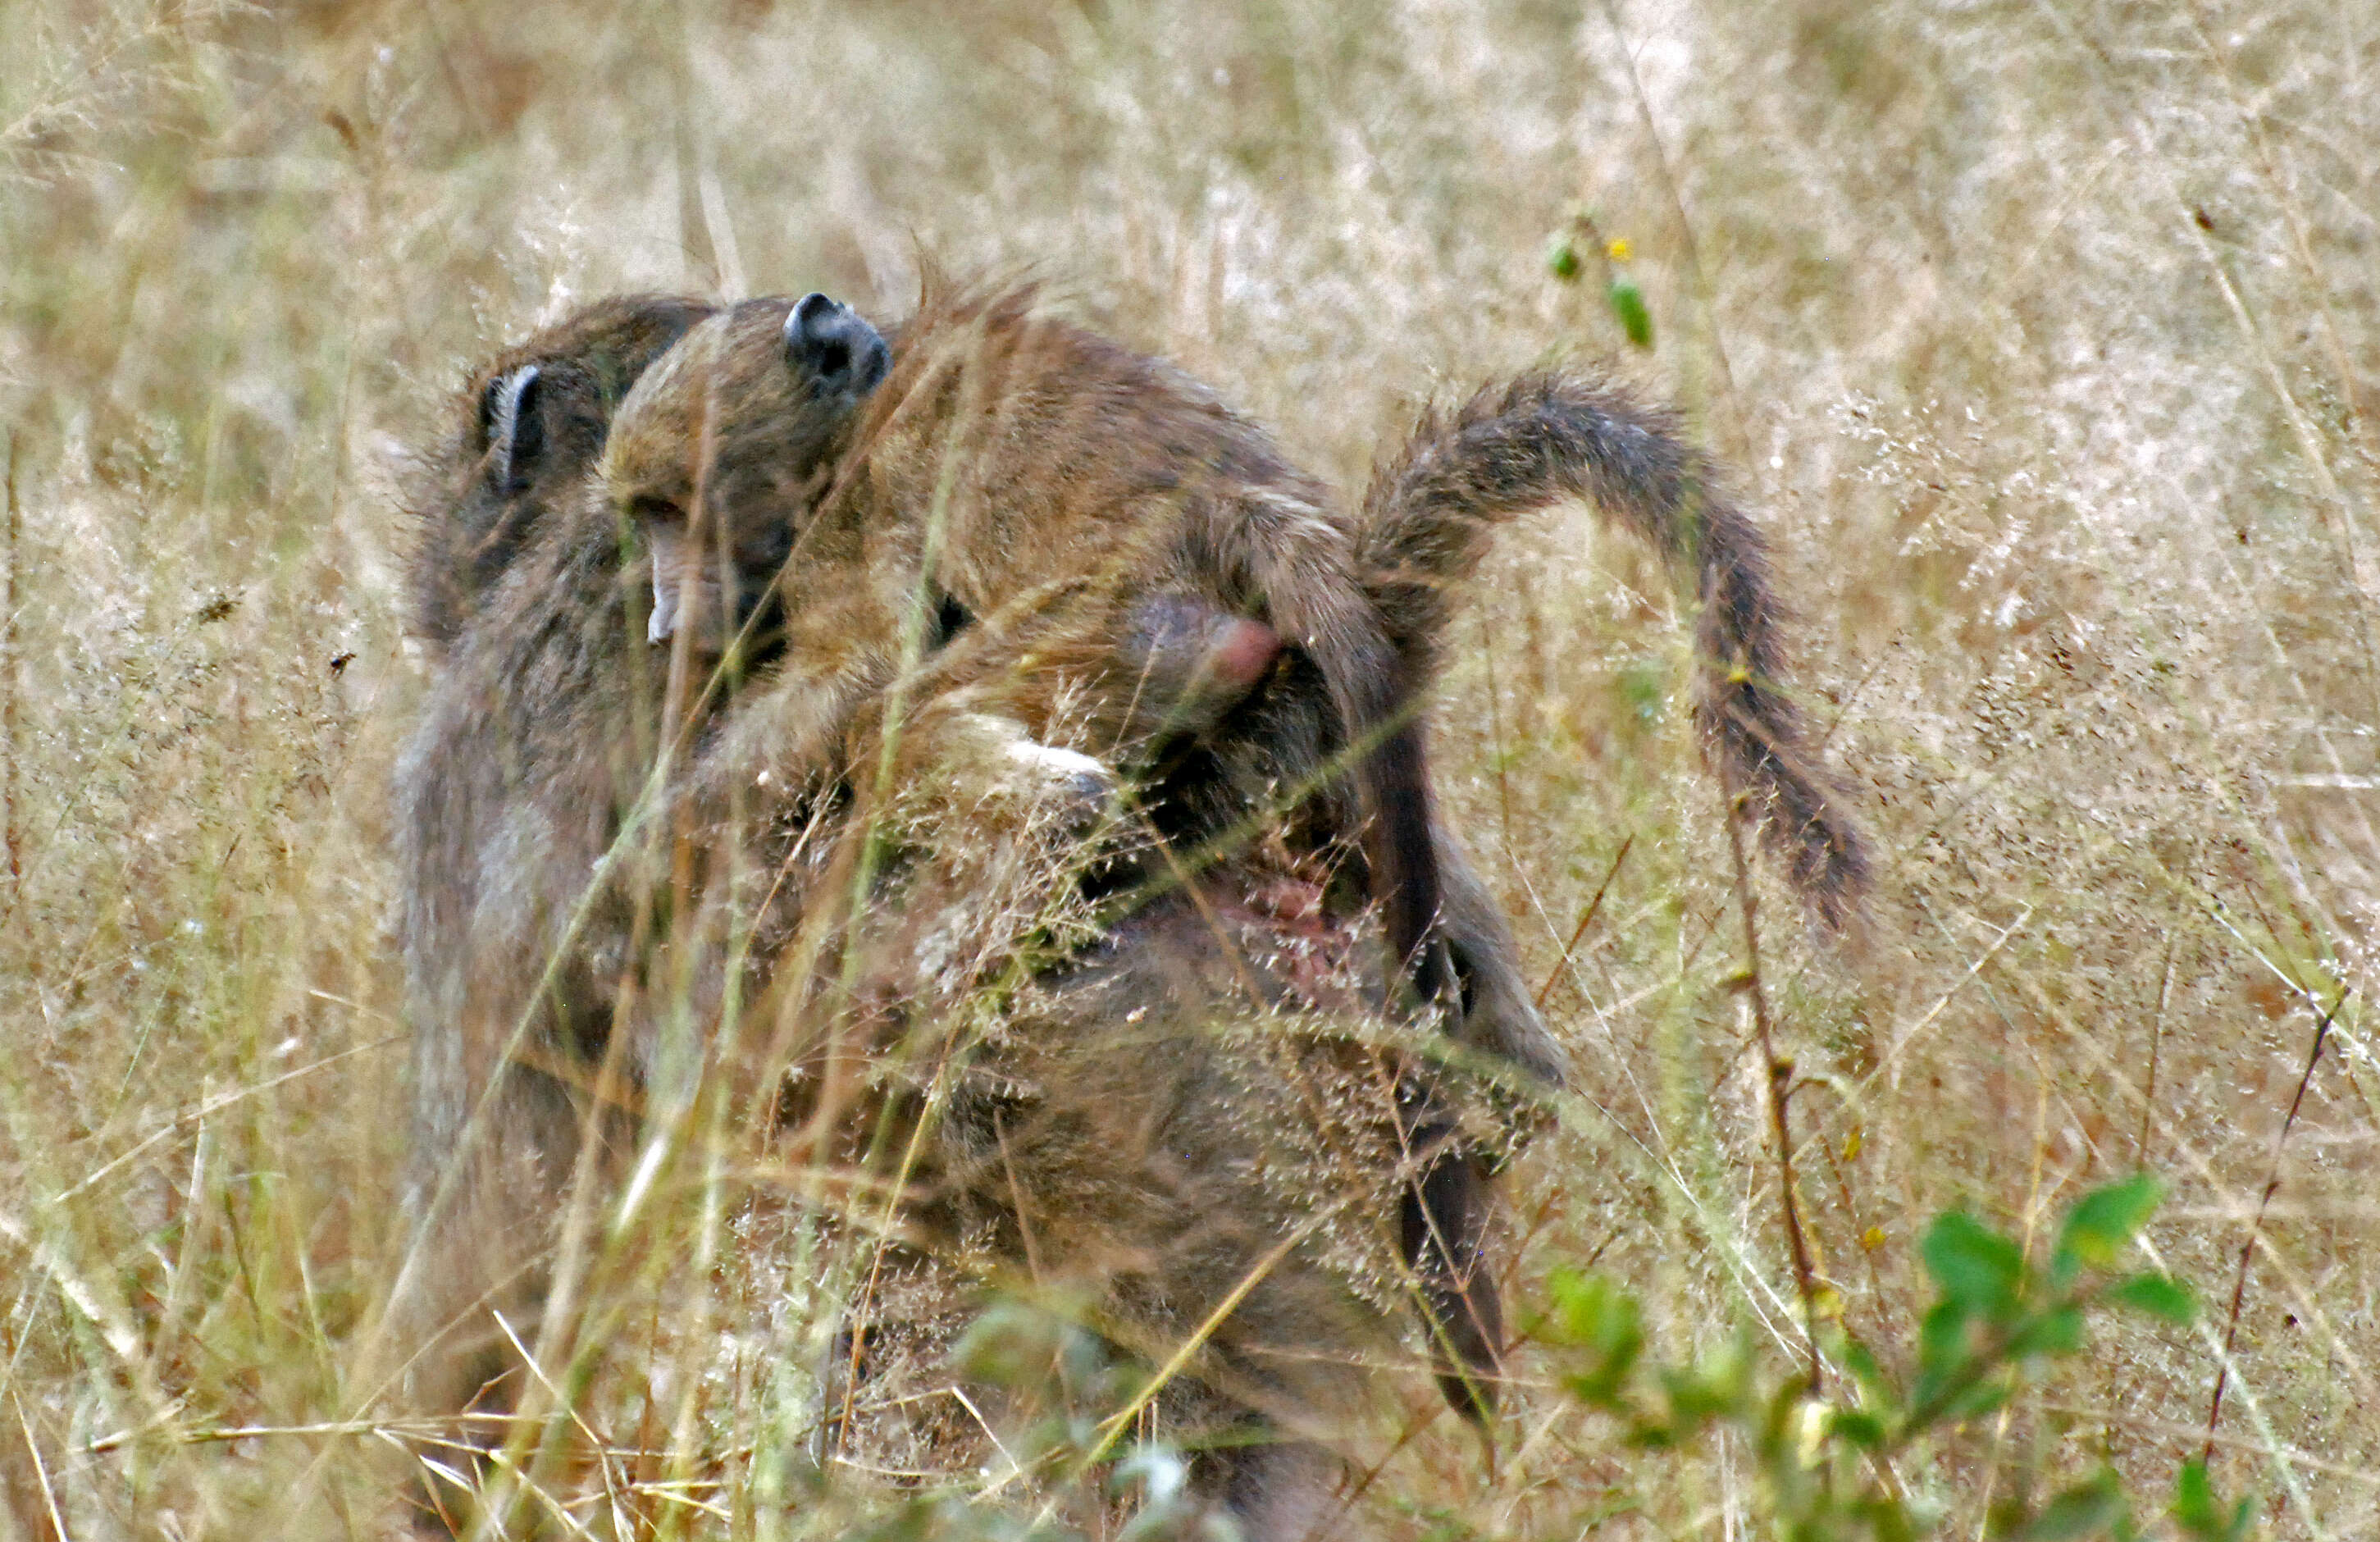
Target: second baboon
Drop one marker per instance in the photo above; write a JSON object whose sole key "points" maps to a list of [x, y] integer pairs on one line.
{"points": [[1036, 539], [537, 735], [533, 422]]}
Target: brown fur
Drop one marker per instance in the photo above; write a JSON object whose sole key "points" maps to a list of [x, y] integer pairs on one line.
{"points": [[1053, 490], [1520, 445], [508, 795], [521, 787]]}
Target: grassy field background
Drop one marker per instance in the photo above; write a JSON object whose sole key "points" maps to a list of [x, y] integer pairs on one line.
{"points": [[2045, 338]]}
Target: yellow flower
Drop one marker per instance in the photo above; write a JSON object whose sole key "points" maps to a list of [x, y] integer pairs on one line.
{"points": [[1618, 248]]}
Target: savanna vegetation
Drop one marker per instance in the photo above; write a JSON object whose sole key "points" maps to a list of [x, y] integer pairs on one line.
{"points": [[2044, 339]]}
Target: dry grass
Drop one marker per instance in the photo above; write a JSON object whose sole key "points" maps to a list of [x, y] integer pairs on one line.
{"points": [[2047, 337]]}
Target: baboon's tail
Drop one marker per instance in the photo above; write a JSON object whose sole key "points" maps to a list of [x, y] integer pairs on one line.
{"points": [[1552, 434]]}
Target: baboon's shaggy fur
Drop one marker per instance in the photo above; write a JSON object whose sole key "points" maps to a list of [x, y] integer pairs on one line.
{"points": [[1029, 539], [1051, 540]]}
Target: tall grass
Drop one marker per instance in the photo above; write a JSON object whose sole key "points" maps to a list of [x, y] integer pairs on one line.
{"points": [[2047, 338]]}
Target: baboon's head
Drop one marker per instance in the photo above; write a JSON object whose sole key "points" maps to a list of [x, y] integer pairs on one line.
{"points": [[725, 446], [528, 432]]}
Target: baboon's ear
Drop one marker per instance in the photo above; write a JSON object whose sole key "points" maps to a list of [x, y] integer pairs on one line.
{"points": [[511, 429], [833, 344]]}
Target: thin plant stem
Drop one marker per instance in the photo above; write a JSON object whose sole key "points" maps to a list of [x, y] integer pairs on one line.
{"points": [[1585, 919], [9, 684], [1779, 1082], [2256, 1226]]}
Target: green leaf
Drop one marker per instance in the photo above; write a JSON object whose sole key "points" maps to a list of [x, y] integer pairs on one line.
{"points": [[1943, 1347], [1888, 1519], [1984, 1397], [2193, 1500], [2199, 1513], [1628, 304], [2103, 1223], [2086, 1510], [1863, 1430], [1653, 1435], [2058, 1331], [1594, 1315], [1875, 1389], [1719, 1386], [1561, 259], [1977, 1268], [2160, 1295]]}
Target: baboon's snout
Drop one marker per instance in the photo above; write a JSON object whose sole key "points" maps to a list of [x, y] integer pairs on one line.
{"points": [[685, 594], [663, 625]]}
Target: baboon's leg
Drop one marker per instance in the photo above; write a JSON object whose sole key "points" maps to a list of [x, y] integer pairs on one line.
{"points": [[1443, 1225], [488, 1204], [1280, 1490]]}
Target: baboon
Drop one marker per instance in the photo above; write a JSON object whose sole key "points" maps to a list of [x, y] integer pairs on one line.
{"points": [[538, 731], [1054, 543], [531, 947], [534, 421], [545, 729]]}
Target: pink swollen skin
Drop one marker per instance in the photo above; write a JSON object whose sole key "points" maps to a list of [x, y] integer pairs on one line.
{"points": [[1239, 654], [1191, 661]]}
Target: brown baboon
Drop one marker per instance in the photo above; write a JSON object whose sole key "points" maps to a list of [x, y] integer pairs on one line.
{"points": [[1034, 538], [537, 734], [545, 732], [534, 422]]}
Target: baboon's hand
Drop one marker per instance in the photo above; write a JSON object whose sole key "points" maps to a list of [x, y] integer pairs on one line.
{"points": [[1072, 787], [990, 767]]}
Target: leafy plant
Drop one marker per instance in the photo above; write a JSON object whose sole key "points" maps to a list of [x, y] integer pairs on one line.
{"points": [[1831, 1466], [1620, 290]]}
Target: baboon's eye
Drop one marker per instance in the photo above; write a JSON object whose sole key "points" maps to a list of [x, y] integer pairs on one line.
{"points": [[527, 422]]}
